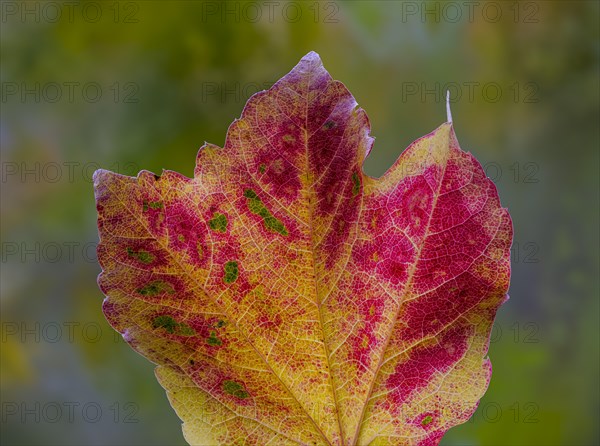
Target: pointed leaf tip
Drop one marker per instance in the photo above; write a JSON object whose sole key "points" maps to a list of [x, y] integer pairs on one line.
{"points": [[310, 63], [312, 56]]}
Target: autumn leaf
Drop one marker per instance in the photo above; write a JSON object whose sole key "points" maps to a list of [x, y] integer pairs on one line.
{"points": [[288, 298]]}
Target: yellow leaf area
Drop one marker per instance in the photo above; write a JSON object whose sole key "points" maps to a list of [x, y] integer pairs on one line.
{"points": [[288, 298]]}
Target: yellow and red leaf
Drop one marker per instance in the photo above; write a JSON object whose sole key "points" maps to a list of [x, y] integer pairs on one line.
{"points": [[288, 298]]}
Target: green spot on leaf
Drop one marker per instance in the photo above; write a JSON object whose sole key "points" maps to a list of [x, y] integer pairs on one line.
{"points": [[249, 193], [155, 288], [275, 225], [172, 326], [185, 330], [152, 205], [256, 206], [427, 420], [220, 324], [213, 339], [218, 223], [262, 168], [141, 255], [166, 322], [329, 125], [235, 389], [356, 186], [231, 272]]}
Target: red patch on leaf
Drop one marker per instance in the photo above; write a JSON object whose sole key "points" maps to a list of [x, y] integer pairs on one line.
{"points": [[423, 362], [186, 232]]}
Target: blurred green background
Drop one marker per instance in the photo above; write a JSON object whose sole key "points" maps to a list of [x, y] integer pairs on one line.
{"points": [[141, 85]]}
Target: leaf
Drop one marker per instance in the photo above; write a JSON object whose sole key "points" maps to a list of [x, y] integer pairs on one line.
{"points": [[288, 298]]}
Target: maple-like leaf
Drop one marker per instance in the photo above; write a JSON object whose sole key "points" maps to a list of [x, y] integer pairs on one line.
{"points": [[288, 298]]}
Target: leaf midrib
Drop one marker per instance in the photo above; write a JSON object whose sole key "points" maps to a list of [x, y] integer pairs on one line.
{"points": [[313, 252]]}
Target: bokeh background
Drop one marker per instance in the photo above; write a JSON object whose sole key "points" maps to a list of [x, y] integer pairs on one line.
{"points": [[141, 85]]}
